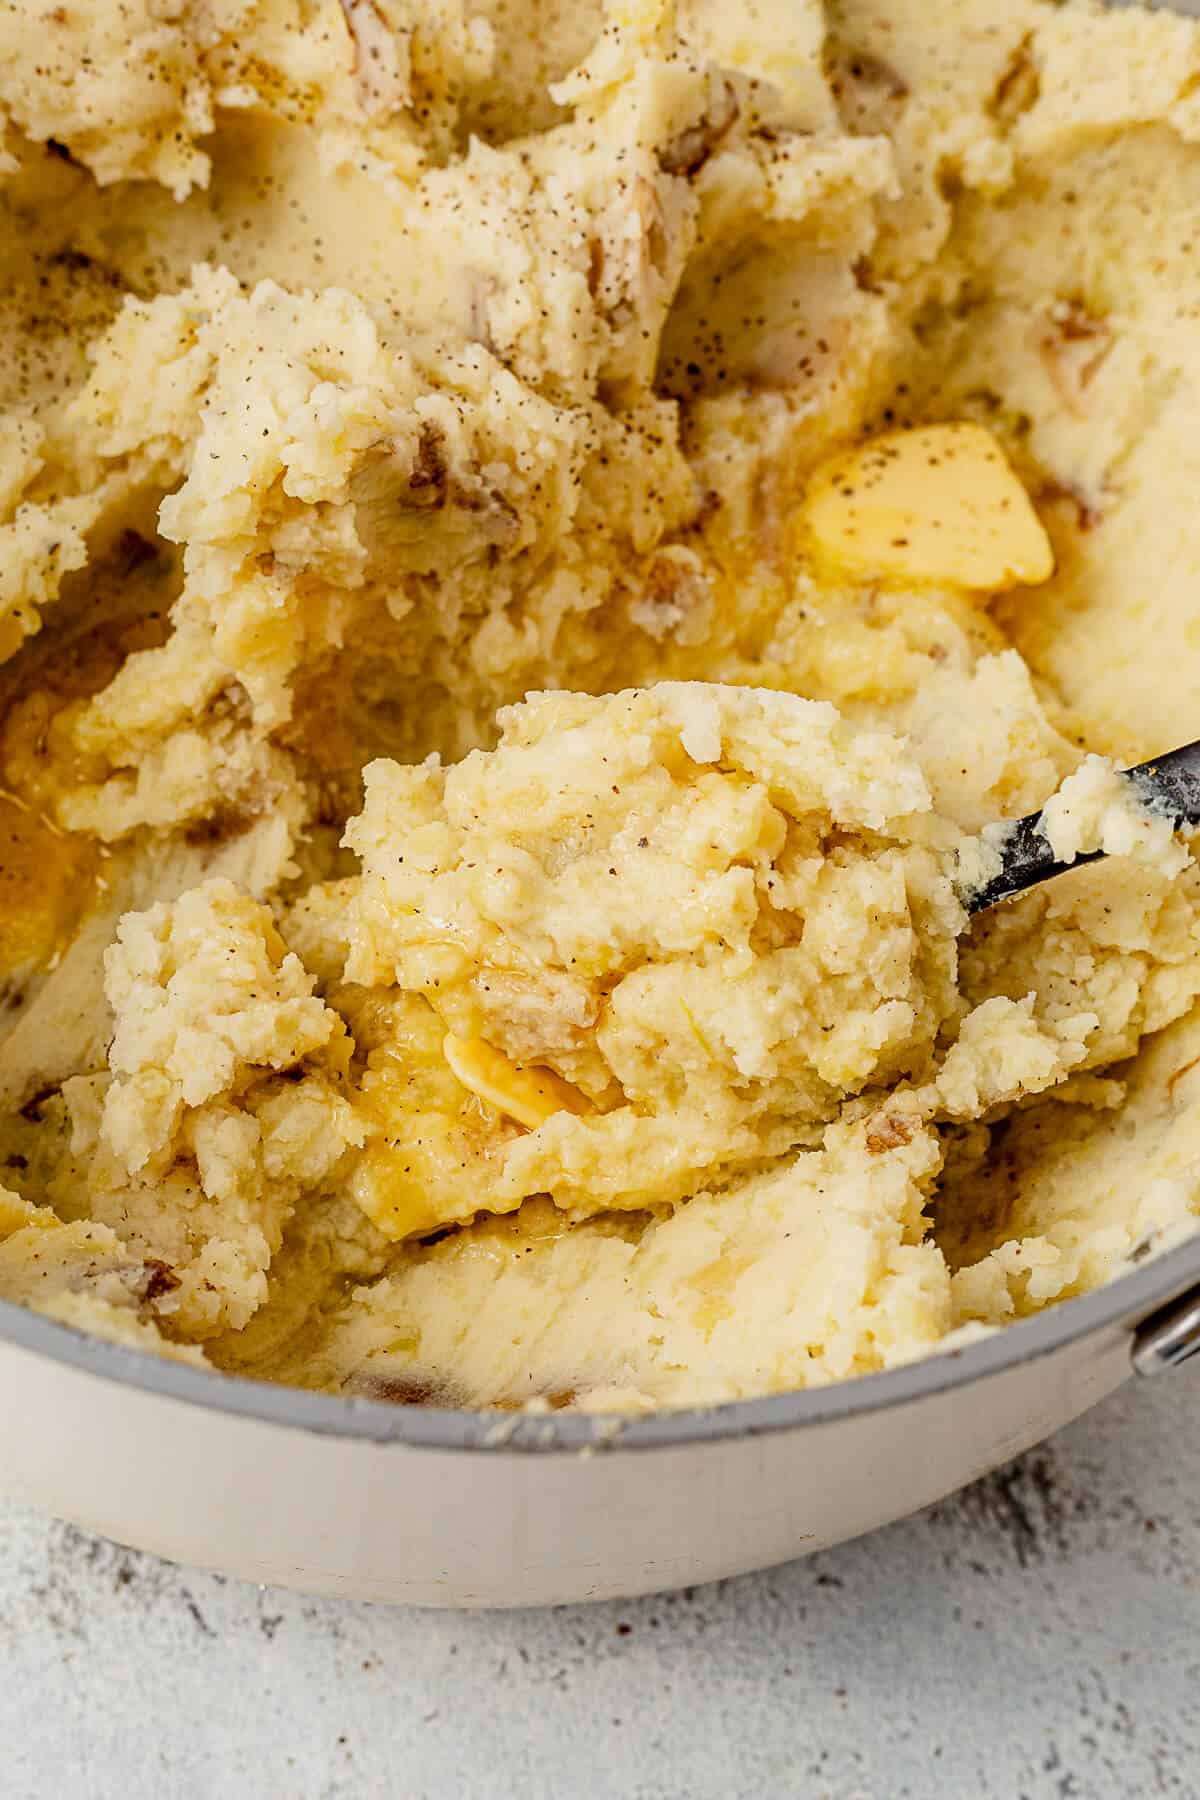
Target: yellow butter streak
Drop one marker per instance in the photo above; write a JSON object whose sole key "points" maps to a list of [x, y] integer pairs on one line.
{"points": [[530, 1096]]}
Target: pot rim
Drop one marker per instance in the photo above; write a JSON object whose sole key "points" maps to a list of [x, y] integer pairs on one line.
{"points": [[1125, 1301]]}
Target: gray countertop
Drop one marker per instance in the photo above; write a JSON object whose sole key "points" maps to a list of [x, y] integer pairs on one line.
{"points": [[1037, 1635]]}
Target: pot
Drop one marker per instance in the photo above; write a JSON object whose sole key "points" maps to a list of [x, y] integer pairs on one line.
{"points": [[434, 1507]]}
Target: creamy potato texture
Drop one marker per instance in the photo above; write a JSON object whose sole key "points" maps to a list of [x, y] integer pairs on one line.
{"points": [[535, 536]]}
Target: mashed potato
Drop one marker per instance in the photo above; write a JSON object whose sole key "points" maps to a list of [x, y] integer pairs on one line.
{"points": [[534, 539]]}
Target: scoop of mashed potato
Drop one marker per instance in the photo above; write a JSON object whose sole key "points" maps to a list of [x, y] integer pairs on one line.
{"points": [[534, 540], [708, 915]]}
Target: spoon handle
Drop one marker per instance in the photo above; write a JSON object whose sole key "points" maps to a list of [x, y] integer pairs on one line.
{"points": [[1170, 784]]}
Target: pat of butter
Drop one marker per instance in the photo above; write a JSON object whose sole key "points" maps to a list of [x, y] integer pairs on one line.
{"points": [[936, 503], [530, 1096]]}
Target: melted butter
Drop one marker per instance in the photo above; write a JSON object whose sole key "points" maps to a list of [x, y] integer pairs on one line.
{"points": [[48, 883], [50, 878]]}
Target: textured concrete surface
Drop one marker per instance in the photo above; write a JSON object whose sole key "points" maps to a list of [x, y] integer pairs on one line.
{"points": [[1038, 1635]]}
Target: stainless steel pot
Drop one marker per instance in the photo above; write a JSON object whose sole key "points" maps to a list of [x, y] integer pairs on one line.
{"points": [[445, 1508]]}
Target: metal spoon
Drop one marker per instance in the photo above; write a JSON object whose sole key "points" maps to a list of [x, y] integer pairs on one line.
{"points": [[1169, 784]]}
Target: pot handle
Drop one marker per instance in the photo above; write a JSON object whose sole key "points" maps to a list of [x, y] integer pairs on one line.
{"points": [[1168, 1337]]}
